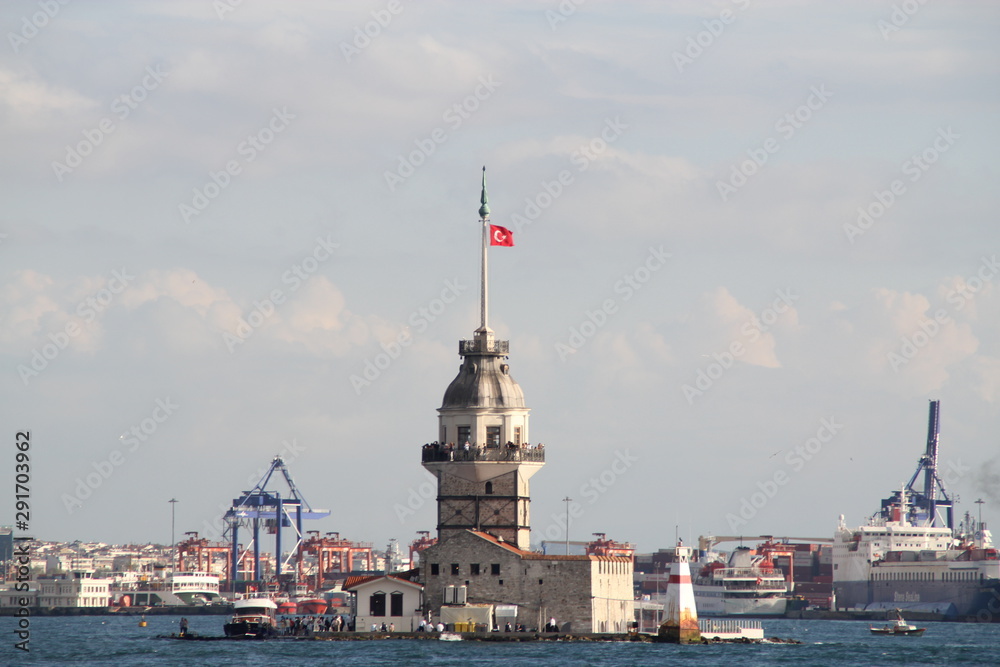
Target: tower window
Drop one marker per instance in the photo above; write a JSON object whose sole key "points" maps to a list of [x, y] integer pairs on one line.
{"points": [[495, 568], [464, 434], [493, 436], [454, 569], [434, 569], [474, 569], [517, 435], [489, 488]]}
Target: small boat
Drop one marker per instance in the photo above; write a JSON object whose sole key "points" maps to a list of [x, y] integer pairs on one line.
{"points": [[253, 618], [899, 627]]}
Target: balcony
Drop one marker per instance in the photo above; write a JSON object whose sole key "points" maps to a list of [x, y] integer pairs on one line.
{"points": [[481, 346], [436, 453]]}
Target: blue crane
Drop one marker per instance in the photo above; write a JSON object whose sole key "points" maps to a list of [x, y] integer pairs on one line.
{"points": [[258, 504]]}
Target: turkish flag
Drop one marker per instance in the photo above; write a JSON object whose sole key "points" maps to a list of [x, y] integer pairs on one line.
{"points": [[501, 236]]}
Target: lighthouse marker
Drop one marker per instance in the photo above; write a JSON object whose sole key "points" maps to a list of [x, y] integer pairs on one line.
{"points": [[681, 623]]}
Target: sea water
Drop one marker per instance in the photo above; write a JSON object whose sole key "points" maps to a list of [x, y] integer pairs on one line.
{"points": [[118, 640]]}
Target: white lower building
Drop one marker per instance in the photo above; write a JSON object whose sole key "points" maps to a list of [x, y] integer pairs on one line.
{"points": [[73, 589], [386, 599]]}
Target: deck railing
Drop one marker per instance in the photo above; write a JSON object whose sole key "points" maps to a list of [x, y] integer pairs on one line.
{"points": [[483, 346], [443, 453]]}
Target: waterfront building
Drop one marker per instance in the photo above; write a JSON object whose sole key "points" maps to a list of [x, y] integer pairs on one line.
{"points": [[73, 589], [386, 599]]}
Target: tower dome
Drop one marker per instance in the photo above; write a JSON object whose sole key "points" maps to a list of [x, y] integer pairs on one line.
{"points": [[484, 379]]}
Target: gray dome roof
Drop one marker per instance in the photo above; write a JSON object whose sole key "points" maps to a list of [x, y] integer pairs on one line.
{"points": [[483, 381]]}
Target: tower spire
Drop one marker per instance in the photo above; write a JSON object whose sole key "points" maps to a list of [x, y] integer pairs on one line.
{"points": [[484, 302]]}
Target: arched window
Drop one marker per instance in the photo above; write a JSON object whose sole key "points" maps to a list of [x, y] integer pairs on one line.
{"points": [[377, 602], [489, 488]]}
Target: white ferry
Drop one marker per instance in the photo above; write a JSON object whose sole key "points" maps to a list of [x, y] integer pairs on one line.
{"points": [[174, 590], [747, 586]]}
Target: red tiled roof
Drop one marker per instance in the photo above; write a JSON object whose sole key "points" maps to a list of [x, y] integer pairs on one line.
{"points": [[506, 545], [357, 580]]}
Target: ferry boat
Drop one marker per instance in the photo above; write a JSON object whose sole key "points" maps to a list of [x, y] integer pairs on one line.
{"points": [[175, 590], [910, 556], [748, 585], [253, 618], [195, 588]]}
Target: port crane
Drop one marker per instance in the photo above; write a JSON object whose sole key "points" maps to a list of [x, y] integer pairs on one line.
{"points": [[709, 542], [276, 512], [926, 502]]}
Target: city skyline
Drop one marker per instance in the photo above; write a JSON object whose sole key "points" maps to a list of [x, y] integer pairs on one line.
{"points": [[753, 240]]}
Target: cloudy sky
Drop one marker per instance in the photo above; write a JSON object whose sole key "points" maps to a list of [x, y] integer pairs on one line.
{"points": [[753, 239]]}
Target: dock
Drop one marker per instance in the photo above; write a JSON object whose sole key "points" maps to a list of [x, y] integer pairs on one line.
{"points": [[714, 629]]}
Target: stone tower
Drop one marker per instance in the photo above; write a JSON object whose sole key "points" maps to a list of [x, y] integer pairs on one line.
{"points": [[484, 487]]}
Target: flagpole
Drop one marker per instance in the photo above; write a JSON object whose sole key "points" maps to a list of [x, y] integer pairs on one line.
{"points": [[484, 216]]}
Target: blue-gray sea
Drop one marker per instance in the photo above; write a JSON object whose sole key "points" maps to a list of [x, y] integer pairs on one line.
{"points": [[104, 640]]}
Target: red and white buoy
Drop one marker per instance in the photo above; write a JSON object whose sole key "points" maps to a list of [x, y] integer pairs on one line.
{"points": [[680, 623]]}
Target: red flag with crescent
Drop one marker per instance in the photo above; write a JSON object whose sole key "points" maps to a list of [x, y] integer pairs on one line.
{"points": [[501, 236]]}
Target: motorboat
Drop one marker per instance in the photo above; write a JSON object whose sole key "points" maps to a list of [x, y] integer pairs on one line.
{"points": [[897, 627], [253, 618]]}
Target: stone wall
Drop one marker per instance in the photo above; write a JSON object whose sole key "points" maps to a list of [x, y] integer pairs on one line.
{"points": [[496, 509], [582, 593]]}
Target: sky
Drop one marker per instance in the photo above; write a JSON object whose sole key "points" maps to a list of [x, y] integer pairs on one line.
{"points": [[752, 240]]}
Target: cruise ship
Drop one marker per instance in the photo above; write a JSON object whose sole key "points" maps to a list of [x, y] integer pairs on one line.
{"points": [[909, 556], [748, 585]]}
